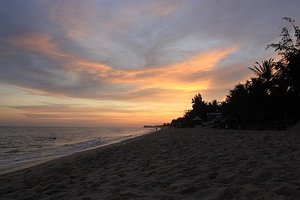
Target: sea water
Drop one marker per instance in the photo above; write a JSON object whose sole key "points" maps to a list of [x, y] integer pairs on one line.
{"points": [[20, 146]]}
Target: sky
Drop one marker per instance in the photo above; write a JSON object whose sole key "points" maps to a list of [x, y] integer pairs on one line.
{"points": [[128, 63]]}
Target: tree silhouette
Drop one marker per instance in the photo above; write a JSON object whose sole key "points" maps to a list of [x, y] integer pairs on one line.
{"points": [[289, 45], [264, 71], [271, 98], [288, 80], [199, 107]]}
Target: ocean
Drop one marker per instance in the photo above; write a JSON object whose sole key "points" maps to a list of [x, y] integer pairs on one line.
{"points": [[21, 147]]}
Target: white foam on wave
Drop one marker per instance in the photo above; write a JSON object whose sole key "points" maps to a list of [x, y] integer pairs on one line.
{"points": [[48, 149]]}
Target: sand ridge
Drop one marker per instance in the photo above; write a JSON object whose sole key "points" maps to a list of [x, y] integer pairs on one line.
{"points": [[170, 164]]}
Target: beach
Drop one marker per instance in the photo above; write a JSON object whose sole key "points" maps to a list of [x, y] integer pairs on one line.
{"points": [[191, 163]]}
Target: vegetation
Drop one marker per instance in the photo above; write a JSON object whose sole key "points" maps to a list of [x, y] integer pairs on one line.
{"points": [[271, 99]]}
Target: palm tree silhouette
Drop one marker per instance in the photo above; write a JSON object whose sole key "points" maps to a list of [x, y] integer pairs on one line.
{"points": [[264, 71]]}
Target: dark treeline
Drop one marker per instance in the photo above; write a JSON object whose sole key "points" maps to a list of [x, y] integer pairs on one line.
{"points": [[270, 99]]}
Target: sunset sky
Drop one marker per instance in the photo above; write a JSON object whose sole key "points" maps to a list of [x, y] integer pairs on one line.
{"points": [[127, 63]]}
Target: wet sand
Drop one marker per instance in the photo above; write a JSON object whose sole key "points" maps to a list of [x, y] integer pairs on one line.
{"points": [[170, 164]]}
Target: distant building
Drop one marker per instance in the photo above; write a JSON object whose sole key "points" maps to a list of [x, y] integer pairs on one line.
{"points": [[215, 119], [214, 116], [197, 121]]}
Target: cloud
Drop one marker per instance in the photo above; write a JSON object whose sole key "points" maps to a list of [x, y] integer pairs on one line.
{"points": [[36, 62], [68, 114], [135, 51]]}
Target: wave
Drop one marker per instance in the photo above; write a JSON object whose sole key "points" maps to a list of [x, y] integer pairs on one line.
{"points": [[23, 145]]}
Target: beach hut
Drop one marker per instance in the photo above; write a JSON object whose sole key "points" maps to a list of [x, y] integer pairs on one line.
{"points": [[197, 121]]}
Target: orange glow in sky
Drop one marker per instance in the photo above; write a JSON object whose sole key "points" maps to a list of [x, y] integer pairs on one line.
{"points": [[170, 100], [126, 63]]}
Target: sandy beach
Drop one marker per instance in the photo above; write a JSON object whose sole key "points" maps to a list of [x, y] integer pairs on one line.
{"points": [[170, 164]]}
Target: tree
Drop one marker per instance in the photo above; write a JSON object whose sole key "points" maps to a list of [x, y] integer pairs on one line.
{"points": [[272, 98], [264, 71], [288, 66], [289, 45], [213, 106], [199, 107], [289, 50], [197, 101]]}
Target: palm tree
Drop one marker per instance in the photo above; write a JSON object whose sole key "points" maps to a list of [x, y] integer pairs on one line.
{"points": [[264, 71]]}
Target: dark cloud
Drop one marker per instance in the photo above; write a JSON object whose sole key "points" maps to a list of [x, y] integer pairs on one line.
{"points": [[131, 35]]}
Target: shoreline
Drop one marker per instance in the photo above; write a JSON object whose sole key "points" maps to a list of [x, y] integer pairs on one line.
{"points": [[21, 165], [170, 164]]}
